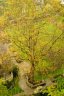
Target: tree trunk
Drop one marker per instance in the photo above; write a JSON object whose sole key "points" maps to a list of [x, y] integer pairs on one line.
{"points": [[31, 74]]}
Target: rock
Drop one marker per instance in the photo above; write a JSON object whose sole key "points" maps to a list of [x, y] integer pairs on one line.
{"points": [[38, 89]]}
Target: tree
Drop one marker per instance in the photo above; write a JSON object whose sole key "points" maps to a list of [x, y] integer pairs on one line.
{"points": [[33, 30]]}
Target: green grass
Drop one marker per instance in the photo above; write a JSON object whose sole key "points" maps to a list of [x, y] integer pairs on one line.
{"points": [[15, 90], [9, 92], [37, 77], [4, 91]]}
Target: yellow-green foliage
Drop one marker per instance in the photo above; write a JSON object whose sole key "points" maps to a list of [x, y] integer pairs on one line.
{"points": [[35, 32], [2, 80]]}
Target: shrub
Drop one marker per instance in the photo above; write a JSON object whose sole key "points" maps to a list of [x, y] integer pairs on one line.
{"points": [[3, 90]]}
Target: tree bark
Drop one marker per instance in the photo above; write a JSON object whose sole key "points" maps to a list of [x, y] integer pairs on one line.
{"points": [[31, 74]]}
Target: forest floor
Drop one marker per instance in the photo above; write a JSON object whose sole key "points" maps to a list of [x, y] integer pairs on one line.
{"points": [[23, 69]]}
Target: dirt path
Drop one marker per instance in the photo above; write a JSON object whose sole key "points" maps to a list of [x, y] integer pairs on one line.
{"points": [[23, 69], [23, 85]]}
